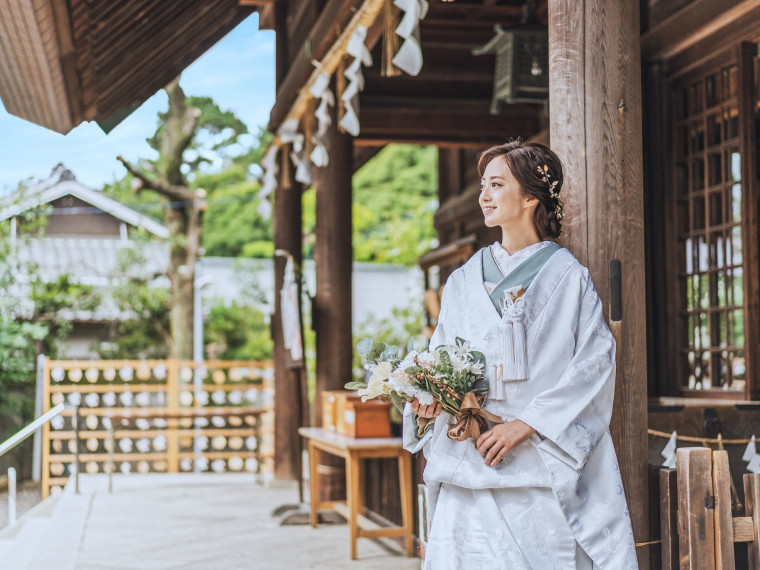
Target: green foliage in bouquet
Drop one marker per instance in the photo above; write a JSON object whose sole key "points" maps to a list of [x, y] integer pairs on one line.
{"points": [[445, 373]]}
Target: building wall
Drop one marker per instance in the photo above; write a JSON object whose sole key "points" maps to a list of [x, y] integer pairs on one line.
{"points": [[378, 289], [74, 217]]}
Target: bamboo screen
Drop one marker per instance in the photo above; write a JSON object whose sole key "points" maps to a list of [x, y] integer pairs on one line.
{"points": [[708, 189], [231, 441]]}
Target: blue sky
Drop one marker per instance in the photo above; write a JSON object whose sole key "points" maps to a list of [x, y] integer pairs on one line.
{"points": [[238, 73]]}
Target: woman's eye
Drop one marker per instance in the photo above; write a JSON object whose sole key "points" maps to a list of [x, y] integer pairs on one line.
{"points": [[494, 185]]}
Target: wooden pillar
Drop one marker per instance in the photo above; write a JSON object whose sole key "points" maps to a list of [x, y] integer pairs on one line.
{"points": [[333, 254], [331, 310], [290, 400], [595, 102]]}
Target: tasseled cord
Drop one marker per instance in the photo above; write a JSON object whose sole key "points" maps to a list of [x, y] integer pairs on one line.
{"points": [[516, 368], [513, 352]]}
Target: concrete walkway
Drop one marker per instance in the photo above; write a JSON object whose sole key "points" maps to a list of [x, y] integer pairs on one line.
{"points": [[154, 522]]}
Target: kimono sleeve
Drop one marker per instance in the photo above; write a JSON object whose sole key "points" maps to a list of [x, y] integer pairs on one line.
{"points": [[574, 414], [411, 439]]}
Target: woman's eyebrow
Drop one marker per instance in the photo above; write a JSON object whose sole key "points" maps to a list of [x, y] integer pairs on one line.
{"points": [[492, 177]]}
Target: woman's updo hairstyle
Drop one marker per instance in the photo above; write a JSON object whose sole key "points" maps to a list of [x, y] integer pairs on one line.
{"points": [[539, 172]]}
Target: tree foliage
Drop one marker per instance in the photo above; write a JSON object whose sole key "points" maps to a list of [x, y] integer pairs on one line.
{"points": [[34, 318], [237, 332], [394, 199], [145, 298]]}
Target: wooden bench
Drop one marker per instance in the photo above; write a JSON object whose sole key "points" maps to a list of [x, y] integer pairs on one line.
{"points": [[353, 450]]}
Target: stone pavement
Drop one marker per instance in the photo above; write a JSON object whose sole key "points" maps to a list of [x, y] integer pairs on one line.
{"points": [[203, 521]]}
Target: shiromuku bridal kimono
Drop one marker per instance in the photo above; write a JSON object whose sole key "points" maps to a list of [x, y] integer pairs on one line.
{"points": [[556, 501]]}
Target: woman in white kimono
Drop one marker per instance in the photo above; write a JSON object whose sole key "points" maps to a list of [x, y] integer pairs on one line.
{"points": [[541, 490]]}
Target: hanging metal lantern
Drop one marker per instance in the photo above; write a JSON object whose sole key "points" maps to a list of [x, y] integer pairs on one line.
{"points": [[522, 65]]}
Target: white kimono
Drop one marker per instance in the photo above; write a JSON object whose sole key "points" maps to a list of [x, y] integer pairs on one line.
{"points": [[556, 501]]}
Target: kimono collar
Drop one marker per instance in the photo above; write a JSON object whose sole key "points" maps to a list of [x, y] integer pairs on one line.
{"points": [[507, 262], [534, 299]]}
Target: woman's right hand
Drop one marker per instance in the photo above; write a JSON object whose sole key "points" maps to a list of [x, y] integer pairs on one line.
{"points": [[431, 411]]}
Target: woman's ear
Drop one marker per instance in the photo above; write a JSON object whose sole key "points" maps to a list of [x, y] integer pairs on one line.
{"points": [[530, 201]]}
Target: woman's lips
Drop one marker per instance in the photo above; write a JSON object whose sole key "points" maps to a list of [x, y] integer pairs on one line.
{"points": [[488, 209]]}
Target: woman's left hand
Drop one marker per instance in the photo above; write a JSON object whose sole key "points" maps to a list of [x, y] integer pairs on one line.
{"points": [[495, 443]]}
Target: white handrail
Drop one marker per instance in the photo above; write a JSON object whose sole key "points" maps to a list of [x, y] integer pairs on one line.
{"points": [[14, 440]]}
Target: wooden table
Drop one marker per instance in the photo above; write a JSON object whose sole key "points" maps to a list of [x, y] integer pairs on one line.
{"points": [[353, 450]]}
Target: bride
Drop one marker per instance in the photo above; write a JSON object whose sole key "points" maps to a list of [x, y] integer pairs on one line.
{"points": [[541, 490]]}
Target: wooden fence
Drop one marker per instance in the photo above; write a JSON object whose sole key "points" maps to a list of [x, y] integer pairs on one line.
{"points": [[698, 526], [139, 393]]}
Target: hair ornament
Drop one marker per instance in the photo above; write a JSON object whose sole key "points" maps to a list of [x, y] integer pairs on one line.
{"points": [[543, 172], [546, 177]]}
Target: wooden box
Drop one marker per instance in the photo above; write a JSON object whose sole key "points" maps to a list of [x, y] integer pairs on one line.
{"points": [[344, 412]]}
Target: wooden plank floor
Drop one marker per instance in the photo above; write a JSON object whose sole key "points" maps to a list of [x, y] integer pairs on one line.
{"points": [[211, 522]]}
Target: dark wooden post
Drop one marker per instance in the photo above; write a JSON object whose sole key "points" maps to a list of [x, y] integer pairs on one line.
{"points": [[290, 399], [696, 502], [595, 102], [333, 256]]}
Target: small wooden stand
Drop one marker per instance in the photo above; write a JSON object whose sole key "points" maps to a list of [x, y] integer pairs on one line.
{"points": [[353, 451]]}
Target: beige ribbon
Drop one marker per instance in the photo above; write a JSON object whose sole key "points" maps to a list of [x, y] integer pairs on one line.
{"points": [[471, 420]]}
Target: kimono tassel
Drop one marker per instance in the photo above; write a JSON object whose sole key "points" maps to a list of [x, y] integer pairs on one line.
{"points": [[515, 358], [513, 352], [519, 352]]}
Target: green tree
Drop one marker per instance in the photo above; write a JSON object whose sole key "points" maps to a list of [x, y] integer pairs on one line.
{"points": [[145, 333], [394, 200], [237, 332], [194, 133], [34, 318]]}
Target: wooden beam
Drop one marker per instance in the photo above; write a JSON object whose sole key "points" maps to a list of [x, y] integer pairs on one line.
{"points": [[465, 124], [693, 23], [326, 30], [595, 73], [363, 154], [725, 38], [68, 59]]}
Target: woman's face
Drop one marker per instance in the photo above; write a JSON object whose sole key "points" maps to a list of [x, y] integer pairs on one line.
{"points": [[501, 198]]}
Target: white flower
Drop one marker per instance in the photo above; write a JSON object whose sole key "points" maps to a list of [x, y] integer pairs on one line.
{"points": [[377, 384], [399, 380], [382, 370], [403, 384], [408, 361], [458, 362], [428, 358], [462, 350]]}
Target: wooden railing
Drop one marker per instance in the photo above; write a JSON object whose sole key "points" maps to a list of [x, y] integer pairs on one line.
{"points": [[697, 525], [144, 391]]}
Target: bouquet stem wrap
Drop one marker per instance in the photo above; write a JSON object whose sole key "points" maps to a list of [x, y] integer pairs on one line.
{"points": [[471, 419]]}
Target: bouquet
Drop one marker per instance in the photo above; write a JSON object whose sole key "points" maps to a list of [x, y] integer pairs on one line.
{"points": [[451, 374]]}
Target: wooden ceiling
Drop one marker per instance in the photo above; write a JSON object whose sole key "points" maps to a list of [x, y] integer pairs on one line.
{"points": [[62, 63], [447, 103]]}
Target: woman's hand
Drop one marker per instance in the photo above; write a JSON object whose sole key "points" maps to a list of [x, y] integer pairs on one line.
{"points": [[431, 411], [495, 443]]}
